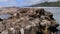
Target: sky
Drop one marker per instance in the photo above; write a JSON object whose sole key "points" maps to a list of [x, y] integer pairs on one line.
{"points": [[20, 3]]}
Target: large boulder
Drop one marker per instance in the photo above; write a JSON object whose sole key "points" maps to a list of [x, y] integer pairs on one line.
{"points": [[29, 21]]}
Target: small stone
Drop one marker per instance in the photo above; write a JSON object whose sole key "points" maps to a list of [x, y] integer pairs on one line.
{"points": [[4, 32]]}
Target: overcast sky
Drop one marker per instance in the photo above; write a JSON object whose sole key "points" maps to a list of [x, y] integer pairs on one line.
{"points": [[22, 2]]}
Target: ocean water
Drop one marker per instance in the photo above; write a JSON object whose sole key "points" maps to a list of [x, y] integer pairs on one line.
{"points": [[5, 16]]}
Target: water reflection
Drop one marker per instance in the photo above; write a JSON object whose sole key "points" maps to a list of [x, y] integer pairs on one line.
{"points": [[5, 16]]}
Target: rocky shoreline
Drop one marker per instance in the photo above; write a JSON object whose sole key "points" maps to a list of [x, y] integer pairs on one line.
{"points": [[28, 21]]}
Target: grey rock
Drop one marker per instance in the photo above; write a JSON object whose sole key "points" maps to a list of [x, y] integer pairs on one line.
{"points": [[31, 21]]}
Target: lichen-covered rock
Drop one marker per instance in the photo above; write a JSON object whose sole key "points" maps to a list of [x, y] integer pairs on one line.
{"points": [[29, 21]]}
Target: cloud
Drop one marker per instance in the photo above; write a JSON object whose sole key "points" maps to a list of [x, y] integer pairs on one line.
{"points": [[28, 2], [4, 0]]}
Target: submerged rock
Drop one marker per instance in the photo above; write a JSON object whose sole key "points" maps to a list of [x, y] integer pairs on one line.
{"points": [[29, 21]]}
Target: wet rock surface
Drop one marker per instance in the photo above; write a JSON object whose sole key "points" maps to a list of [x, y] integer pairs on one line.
{"points": [[29, 21]]}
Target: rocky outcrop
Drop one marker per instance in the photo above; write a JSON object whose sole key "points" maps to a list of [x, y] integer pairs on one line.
{"points": [[29, 21]]}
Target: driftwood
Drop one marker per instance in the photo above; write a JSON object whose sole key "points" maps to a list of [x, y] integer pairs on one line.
{"points": [[29, 21]]}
